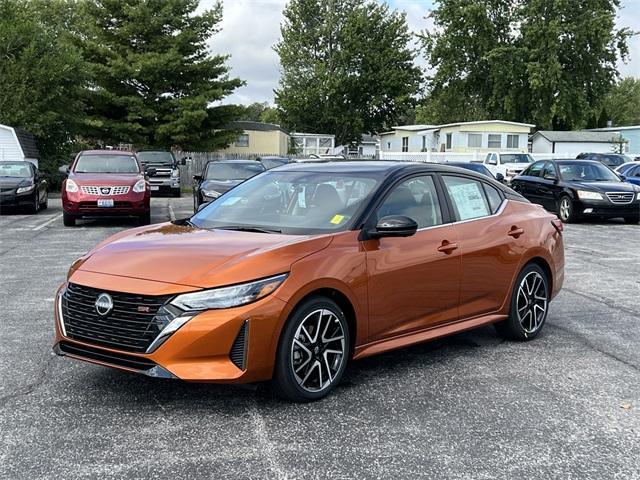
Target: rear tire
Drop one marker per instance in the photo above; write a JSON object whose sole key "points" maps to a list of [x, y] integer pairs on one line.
{"points": [[44, 205], [529, 305], [145, 219], [566, 212], [312, 352], [68, 220], [633, 220]]}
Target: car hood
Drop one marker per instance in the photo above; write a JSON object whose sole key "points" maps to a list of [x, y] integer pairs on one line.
{"points": [[106, 178], [606, 186], [516, 166], [220, 186], [196, 257], [15, 182]]}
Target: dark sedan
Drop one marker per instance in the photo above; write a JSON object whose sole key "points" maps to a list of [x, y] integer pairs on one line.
{"points": [[22, 185], [612, 160], [579, 189], [219, 176]]}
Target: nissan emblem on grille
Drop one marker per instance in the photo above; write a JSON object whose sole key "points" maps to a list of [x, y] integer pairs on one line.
{"points": [[105, 190], [104, 304]]}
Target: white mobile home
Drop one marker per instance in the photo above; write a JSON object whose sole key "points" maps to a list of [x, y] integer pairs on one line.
{"points": [[572, 143], [18, 145]]}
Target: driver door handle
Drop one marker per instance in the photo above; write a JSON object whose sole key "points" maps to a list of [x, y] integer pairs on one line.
{"points": [[515, 231], [447, 247]]}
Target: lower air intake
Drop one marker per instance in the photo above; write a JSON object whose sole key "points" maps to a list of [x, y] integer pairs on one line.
{"points": [[238, 354]]}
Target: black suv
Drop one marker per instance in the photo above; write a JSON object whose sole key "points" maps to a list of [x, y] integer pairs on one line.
{"points": [[220, 176]]}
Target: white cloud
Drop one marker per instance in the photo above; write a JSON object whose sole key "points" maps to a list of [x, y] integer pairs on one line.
{"points": [[250, 28]]}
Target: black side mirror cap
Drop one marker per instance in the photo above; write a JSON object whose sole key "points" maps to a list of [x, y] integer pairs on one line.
{"points": [[499, 177], [394, 226], [197, 178], [622, 177]]}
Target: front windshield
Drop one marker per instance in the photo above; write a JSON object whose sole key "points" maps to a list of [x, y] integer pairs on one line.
{"points": [[614, 160], [106, 164], [586, 172], [516, 158], [164, 158], [17, 169], [291, 202], [232, 171]]}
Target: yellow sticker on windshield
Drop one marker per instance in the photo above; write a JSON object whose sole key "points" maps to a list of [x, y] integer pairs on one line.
{"points": [[337, 219]]}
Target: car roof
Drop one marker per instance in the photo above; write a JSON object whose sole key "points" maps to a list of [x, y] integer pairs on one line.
{"points": [[107, 152], [372, 166], [229, 160], [154, 150], [16, 161]]}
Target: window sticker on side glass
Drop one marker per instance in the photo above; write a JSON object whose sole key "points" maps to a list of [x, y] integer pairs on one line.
{"points": [[469, 200]]}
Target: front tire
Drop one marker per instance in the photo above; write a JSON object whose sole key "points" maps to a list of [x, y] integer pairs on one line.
{"points": [[68, 220], [312, 352], [566, 212], [176, 192], [529, 305], [145, 218]]}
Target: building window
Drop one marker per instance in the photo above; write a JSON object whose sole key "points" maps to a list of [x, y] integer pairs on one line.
{"points": [[474, 140], [405, 144], [449, 138], [243, 140], [495, 140], [513, 141]]}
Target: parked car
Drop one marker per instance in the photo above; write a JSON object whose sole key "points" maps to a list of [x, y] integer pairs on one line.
{"points": [[22, 185], [297, 270], [273, 162], [612, 160], [165, 176], [630, 171], [105, 183], [508, 164], [477, 167], [219, 176], [579, 188]]}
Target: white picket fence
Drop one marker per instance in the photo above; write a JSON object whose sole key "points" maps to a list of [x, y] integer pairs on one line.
{"points": [[444, 157]]}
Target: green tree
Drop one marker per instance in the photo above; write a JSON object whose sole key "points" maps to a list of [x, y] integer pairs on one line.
{"points": [[259, 112], [154, 81], [347, 68], [41, 74], [547, 62], [623, 102]]}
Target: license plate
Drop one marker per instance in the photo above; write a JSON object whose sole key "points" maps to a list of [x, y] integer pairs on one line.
{"points": [[105, 202], [155, 187]]}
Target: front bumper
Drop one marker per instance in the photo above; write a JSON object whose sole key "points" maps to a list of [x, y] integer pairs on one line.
{"points": [[131, 204], [201, 350], [164, 184], [603, 209], [17, 199]]}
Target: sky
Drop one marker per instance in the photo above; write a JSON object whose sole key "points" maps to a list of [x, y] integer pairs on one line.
{"points": [[250, 28]]}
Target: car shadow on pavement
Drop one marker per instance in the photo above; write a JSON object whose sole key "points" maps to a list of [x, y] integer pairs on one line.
{"points": [[124, 388]]}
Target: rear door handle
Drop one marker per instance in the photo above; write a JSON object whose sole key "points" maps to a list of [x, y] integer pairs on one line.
{"points": [[447, 247], [515, 232]]}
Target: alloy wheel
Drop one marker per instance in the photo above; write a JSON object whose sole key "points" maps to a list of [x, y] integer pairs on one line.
{"points": [[532, 302], [565, 209], [318, 350]]}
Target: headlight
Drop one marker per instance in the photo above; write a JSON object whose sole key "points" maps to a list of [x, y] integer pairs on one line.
{"points": [[227, 297], [175, 173], [140, 186], [71, 186], [211, 193], [586, 195], [638, 196], [25, 189]]}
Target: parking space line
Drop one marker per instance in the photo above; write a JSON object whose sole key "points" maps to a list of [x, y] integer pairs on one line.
{"points": [[172, 214], [51, 220]]}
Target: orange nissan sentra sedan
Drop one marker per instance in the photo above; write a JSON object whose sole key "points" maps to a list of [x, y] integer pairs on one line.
{"points": [[301, 268]]}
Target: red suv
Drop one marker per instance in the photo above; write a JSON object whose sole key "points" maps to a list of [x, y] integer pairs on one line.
{"points": [[105, 183]]}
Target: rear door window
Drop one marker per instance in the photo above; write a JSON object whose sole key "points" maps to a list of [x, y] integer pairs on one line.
{"points": [[467, 197], [534, 170]]}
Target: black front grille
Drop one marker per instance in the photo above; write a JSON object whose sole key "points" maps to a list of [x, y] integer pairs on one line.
{"points": [[120, 359], [238, 354], [130, 326]]}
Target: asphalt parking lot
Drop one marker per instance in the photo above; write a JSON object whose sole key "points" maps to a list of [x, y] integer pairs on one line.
{"points": [[471, 406]]}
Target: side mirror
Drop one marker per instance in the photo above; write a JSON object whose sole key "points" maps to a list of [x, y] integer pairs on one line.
{"points": [[202, 205], [150, 171], [492, 162], [622, 177], [551, 178], [64, 169], [394, 226], [197, 178], [183, 161], [499, 177]]}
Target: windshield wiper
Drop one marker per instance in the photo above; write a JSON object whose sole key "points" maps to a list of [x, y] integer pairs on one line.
{"points": [[240, 228]]}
